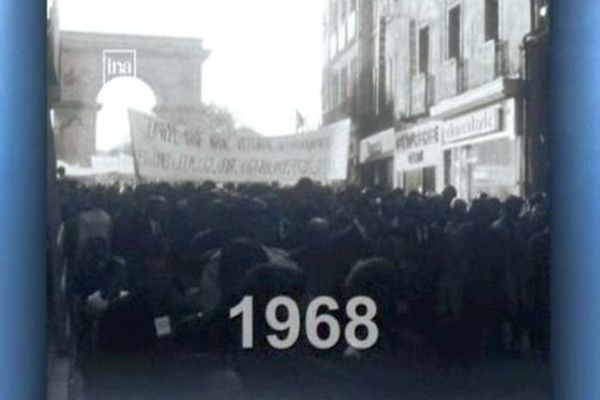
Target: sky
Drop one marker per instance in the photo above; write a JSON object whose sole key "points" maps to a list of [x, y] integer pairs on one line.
{"points": [[266, 55]]}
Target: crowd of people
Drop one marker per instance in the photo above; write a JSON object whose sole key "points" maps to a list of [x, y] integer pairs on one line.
{"points": [[452, 280]]}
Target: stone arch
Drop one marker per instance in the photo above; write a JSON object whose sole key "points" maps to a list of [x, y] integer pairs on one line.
{"points": [[172, 67]]}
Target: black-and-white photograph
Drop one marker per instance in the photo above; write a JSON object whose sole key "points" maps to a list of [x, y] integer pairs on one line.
{"points": [[298, 199]]}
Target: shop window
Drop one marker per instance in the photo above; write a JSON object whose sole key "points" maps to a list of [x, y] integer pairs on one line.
{"points": [[447, 167], [491, 20], [454, 33], [429, 180], [413, 181], [488, 167], [424, 50], [389, 173]]}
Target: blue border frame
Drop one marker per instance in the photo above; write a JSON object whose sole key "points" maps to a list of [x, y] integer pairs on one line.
{"points": [[22, 199], [576, 142]]}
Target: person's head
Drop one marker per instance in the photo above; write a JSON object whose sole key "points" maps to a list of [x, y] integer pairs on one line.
{"points": [[392, 203], [479, 212], [512, 207], [380, 280], [449, 193], [237, 257], [495, 207], [437, 209], [367, 211], [304, 185], [458, 210], [209, 186], [156, 207], [266, 282], [61, 172], [537, 198], [269, 280], [539, 217], [318, 228], [413, 207]]}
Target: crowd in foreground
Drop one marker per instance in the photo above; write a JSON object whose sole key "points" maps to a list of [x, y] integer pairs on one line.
{"points": [[452, 280]]}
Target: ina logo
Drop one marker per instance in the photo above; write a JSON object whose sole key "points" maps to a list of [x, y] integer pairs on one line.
{"points": [[118, 63]]}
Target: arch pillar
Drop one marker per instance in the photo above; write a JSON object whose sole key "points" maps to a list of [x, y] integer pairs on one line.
{"points": [[75, 131]]}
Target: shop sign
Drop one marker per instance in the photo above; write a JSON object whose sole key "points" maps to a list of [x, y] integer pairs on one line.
{"points": [[477, 123], [377, 146], [419, 146], [418, 137]]}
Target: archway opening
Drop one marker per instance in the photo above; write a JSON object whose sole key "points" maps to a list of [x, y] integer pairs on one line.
{"points": [[112, 123]]}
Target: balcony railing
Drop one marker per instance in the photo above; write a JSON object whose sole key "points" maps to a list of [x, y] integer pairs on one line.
{"points": [[462, 76], [430, 90], [422, 94], [502, 58], [490, 61]]}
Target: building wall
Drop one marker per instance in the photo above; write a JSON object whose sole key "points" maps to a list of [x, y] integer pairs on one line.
{"points": [[487, 69], [480, 61], [348, 61]]}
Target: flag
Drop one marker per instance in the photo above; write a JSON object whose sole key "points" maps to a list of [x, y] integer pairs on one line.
{"points": [[300, 120]]}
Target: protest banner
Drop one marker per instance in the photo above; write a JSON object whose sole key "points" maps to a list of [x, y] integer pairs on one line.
{"points": [[166, 152]]}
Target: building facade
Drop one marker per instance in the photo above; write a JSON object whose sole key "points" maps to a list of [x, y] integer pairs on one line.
{"points": [[460, 83]]}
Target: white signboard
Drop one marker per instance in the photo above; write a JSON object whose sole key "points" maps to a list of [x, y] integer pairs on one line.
{"points": [[166, 152], [419, 146], [378, 146], [477, 123]]}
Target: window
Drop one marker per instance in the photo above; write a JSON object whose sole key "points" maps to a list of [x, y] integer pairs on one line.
{"points": [[354, 76], [454, 33], [390, 78], [491, 20], [413, 47], [334, 14], [424, 50], [334, 90], [333, 44]]}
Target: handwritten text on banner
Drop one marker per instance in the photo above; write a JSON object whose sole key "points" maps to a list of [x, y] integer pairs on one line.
{"points": [[166, 152]]}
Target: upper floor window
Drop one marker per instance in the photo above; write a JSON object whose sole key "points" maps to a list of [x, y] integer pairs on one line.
{"points": [[344, 84], [454, 32], [491, 20], [424, 50], [334, 14], [354, 75], [335, 94]]}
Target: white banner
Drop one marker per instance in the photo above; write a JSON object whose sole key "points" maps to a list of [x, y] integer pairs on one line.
{"points": [[166, 152]]}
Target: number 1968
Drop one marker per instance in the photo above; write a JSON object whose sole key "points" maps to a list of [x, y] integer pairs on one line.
{"points": [[313, 321]]}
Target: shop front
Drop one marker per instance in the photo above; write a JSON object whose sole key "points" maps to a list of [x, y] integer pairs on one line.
{"points": [[377, 159], [419, 162], [482, 151]]}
